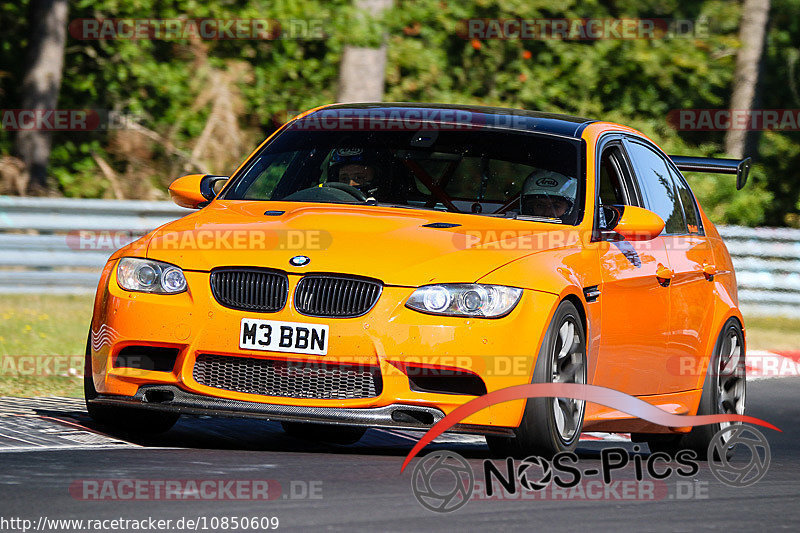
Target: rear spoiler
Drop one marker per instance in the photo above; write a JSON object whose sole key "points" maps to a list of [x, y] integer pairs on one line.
{"points": [[740, 167]]}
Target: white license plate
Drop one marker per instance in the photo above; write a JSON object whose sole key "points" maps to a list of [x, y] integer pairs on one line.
{"points": [[275, 336]]}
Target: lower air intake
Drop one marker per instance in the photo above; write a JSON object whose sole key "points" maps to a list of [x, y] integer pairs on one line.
{"points": [[289, 379]]}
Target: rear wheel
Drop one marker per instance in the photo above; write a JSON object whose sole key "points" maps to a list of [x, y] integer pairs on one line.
{"points": [[724, 392], [324, 432], [552, 425], [125, 419]]}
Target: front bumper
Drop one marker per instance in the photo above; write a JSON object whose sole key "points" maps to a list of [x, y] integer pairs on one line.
{"points": [[171, 399], [500, 351]]}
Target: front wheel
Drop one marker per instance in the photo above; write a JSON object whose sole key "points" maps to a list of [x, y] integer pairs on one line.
{"points": [[552, 425], [124, 419]]}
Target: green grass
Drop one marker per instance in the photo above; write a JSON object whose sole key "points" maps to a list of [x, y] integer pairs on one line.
{"points": [[39, 326], [772, 333], [42, 326]]}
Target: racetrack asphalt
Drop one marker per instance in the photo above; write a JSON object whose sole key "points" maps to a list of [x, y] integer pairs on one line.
{"points": [[45, 449]]}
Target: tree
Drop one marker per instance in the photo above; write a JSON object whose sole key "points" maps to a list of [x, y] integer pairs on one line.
{"points": [[752, 32], [363, 69], [41, 83]]}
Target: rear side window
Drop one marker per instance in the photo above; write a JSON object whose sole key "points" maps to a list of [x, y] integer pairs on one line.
{"points": [[656, 181], [690, 211]]}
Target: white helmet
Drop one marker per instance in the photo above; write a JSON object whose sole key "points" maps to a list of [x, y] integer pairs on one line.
{"points": [[551, 186], [549, 183]]}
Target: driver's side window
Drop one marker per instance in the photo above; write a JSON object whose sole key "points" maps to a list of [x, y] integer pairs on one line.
{"points": [[614, 187]]}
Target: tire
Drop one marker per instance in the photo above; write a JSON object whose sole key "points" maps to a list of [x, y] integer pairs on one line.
{"points": [[324, 432], [123, 419], [542, 431], [724, 392]]}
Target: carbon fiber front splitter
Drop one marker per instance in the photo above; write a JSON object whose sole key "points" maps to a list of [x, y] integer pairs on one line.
{"points": [[168, 398]]}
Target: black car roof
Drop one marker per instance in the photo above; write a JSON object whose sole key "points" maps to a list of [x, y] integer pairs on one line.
{"points": [[497, 117]]}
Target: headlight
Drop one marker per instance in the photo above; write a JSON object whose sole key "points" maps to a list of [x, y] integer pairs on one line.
{"points": [[144, 275], [465, 299]]}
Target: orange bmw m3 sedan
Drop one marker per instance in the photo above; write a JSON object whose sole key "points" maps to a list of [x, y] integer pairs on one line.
{"points": [[379, 265]]}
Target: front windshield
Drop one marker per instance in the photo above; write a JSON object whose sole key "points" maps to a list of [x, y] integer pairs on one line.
{"points": [[480, 171]]}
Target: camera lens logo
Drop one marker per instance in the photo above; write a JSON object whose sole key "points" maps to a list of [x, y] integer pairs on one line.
{"points": [[442, 481], [526, 473], [723, 447]]}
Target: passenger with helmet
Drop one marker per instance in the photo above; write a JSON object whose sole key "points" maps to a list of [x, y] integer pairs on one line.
{"points": [[548, 194]]}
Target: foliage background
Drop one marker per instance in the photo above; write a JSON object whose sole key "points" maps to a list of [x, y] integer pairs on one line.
{"points": [[203, 105]]}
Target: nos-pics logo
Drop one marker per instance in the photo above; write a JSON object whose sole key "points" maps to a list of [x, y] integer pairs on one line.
{"points": [[443, 481]]}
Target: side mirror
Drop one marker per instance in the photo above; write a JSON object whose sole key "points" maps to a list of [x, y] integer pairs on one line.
{"points": [[633, 223], [196, 190]]}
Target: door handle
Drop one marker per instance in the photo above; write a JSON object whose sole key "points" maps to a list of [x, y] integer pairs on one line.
{"points": [[664, 275], [709, 271]]}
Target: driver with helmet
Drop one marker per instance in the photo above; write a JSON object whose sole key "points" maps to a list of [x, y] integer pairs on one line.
{"points": [[548, 194], [353, 167]]}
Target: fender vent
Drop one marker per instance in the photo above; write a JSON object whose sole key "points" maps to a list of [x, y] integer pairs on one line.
{"points": [[591, 293], [441, 225]]}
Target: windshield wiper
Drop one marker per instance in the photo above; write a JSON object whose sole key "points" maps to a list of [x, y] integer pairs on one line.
{"points": [[405, 206], [508, 214], [516, 216]]}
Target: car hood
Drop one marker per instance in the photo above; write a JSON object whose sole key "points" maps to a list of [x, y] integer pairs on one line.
{"points": [[395, 245]]}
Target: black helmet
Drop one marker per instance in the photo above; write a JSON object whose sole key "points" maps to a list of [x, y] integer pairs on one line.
{"points": [[347, 155]]}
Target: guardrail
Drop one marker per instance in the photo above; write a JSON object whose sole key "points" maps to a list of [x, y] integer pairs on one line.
{"points": [[40, 246], [41, 252], [767, 262]]}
